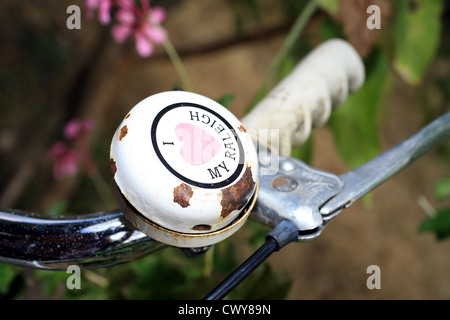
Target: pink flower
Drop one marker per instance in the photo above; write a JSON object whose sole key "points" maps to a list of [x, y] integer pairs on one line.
{"points": [[104, 9], [75, 127], [66, 161], [144, 23]]}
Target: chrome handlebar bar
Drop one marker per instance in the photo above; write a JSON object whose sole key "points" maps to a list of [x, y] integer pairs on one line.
{"points": [[93, 240]]}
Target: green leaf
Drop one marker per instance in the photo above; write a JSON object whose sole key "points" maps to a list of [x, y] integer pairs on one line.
{"points": [[416, 34], [7, 275], [226, 100], [57, 209], [442, 188], [330, 6], [286, 65], [263, 284], [439, 224], [330, 29], [50, 281], [354, 124]]}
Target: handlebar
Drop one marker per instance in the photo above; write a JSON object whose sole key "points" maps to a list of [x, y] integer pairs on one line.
{"points": [[304, 99], [91, 241], [107, 238], [320, 82]]}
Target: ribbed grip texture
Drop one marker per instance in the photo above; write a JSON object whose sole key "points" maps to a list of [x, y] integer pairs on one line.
{"points": [[305, 98]]}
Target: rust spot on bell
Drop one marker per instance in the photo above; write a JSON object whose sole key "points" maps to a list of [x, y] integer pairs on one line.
{"points": [[242, 128], [123, 132], [182, 194], [237, 196], [113, 166]]}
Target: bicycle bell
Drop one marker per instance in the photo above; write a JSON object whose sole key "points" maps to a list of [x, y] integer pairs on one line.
{"points": [[185, 169]]}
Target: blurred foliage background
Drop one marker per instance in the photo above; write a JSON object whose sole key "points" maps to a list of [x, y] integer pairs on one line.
{"points": [[50, 75]]}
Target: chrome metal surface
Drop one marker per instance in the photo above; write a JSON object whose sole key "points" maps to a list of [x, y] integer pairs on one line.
{"points": [[294, 191], [365, 178], [89, 241]]}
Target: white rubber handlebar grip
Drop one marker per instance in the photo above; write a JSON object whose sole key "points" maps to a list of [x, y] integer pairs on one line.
{"points": [[305, 98]]}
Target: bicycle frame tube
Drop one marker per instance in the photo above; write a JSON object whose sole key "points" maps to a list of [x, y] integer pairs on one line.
{"points": [[91, 241]]}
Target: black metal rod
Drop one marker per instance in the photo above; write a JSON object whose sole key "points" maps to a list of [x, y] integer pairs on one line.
{"points": [[269, 247], [285, 232]]}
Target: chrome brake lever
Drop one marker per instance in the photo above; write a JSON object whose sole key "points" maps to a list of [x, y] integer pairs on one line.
{"points": [[290, 189], [311, 198], [365, 178]]}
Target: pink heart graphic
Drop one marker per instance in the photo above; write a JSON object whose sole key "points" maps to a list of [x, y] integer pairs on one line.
{"points": [[198, 145]]}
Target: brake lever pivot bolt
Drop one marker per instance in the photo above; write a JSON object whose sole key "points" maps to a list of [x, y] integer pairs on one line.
{"points": [[185, 169]]}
